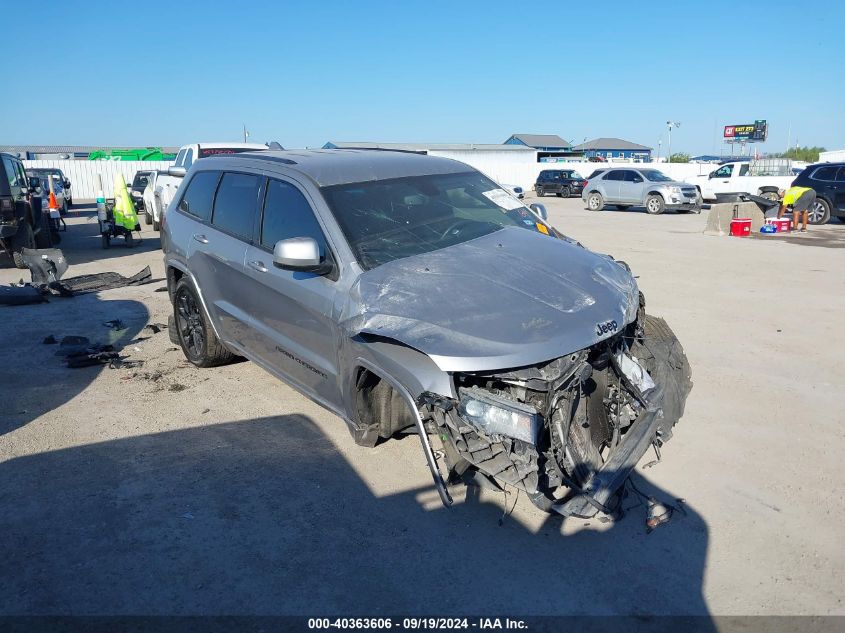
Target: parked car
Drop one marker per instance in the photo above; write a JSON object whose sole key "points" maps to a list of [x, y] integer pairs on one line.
{"points": [[561, 182], [828, 181], [630, 187], [170, 181], [22, 223], [136, 189], [403, 291], [516, 190], [61, 186], [152, 200], [763, 177], [58, 176]]}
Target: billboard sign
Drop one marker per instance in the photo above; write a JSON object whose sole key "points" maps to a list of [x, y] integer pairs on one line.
{"points": [[747, 132]]}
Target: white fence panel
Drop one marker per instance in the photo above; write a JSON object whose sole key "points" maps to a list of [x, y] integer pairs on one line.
{"points": [[83, 173], [513, 168]]}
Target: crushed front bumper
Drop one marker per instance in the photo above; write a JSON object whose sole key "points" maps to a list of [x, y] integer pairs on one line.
{"points": [[595, 495]]}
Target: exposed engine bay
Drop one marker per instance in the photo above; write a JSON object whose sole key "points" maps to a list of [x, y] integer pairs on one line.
{"points": [[567, 431]]}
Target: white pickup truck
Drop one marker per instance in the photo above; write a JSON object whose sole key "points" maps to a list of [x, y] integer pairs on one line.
{"points": [[168, 183], [764, 177]]}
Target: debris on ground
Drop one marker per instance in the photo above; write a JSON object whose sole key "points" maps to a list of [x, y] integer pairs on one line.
{"points": [[115, 324], [155, 327], [46, 267], [50, 340]]}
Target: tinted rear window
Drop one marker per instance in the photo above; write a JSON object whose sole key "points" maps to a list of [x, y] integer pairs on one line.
{"points": [[235, 204], [200, 194], [824, 173]]}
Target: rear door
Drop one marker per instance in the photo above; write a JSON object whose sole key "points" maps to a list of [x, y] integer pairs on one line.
{"points": [[611, 181], [18, 185], [839, 190], [630, 187], [291, 328], [224, 206], [824, 182]]}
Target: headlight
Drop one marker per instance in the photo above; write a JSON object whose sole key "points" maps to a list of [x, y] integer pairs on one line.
{"points": [[498, 416], [675, 190]]}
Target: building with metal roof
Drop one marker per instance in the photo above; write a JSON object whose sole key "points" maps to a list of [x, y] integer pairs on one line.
{"points": [[610, 148], [541, 142]]}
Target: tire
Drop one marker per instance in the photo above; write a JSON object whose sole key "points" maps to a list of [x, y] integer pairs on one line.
{"points": [[819, 212], [565, 192], [63, 210], [46, 237], [148, 217], [24, 238], [196, 337], [770, 195], [595, 202], [539, 191], [654, 204], [156, 225], [105, 239]]}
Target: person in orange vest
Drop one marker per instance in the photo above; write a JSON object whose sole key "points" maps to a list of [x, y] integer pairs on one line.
{"points": [[799, 199]]}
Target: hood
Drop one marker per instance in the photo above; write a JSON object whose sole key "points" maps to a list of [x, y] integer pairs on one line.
{"points": [[509, 299]]}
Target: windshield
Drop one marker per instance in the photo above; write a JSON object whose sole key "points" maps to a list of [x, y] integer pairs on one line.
{"points": [[401, 217], [655, 176], [140, 181], [43, 173]]}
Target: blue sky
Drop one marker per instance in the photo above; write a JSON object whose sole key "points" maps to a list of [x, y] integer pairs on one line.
{"points": [[302, 73]]}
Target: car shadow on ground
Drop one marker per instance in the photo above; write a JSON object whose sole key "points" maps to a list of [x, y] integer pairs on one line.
{"points": [[266, 516], [35, 380]]}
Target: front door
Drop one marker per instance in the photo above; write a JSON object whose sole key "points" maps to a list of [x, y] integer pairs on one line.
{"points": [[292, 329]]}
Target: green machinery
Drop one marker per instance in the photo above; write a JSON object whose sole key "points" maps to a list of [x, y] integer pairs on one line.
{"points": [[140, 153]]}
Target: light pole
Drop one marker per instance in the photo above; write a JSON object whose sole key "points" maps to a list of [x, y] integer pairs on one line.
{"points": [[670, 125]]}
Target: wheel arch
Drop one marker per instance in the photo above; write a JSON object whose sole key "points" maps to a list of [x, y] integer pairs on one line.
{"points": [[176, 273]]}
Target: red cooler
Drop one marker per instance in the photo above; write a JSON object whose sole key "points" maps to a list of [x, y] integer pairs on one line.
{"points": [[741, 227], [782, 225]]}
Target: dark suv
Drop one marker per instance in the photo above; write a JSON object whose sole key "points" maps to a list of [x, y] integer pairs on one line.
{"points": [[21, 220], [828, 181], [561, 182]]}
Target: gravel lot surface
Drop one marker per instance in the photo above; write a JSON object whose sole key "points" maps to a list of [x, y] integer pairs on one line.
{"points": [[166, 489]]}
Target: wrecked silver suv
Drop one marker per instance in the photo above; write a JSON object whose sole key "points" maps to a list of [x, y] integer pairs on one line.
{"points": [[404, 291]]}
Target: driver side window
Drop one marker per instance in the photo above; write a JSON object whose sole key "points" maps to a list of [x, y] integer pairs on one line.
{"points": [[724, 171]]}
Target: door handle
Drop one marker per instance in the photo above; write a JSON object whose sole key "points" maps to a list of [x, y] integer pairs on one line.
{"points": [[259, 266], [202, 239]]}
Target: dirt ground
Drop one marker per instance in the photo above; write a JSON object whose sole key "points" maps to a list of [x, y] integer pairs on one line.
{"points": [[164, 489]]}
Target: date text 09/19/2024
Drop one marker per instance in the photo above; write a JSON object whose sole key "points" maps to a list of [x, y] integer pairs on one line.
{"points": [[413, 624]]}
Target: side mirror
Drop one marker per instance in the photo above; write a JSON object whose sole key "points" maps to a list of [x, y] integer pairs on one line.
{"points": [[177, 172], [34, 182], [299, 253], [67, 184], [540, 210]]}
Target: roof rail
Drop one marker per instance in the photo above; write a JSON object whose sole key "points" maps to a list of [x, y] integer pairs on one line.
{"points": [[382, 149]]}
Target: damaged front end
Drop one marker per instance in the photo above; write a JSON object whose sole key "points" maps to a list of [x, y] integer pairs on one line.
{"points": [[568, 431]]}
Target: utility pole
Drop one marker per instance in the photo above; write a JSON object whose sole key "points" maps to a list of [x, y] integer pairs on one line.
{"points": [[670, 125], [246, 134]]}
